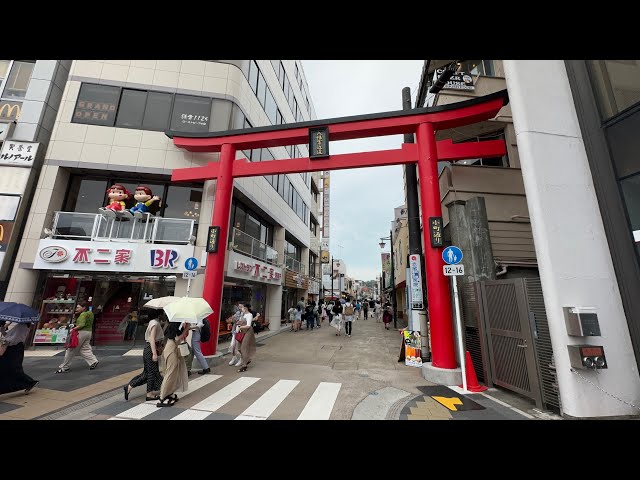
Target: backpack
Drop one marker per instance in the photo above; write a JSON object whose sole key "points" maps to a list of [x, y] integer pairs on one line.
{"points": [[205, 331], [348, 310], [358, 306]]}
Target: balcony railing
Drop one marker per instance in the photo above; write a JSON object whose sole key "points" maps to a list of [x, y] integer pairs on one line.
{"points": [[245, 243], [98, 227], [292, 264]]}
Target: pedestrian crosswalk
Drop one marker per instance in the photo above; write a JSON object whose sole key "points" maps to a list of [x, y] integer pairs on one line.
{"points": [[280, 395]]}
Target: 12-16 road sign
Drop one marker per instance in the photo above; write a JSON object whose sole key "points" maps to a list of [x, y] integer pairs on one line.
{"points": [[453, 270]]}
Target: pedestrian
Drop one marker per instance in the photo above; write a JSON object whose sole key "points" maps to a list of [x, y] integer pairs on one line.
{"points": [[12, 376], [349, 314], [377, 311], [387, 316], [247, 338], [196, 347], [316, 313], [150, 375], [83, 326], [233, 327], [337, 320], [297, 319], [292, 317], [358, 309], [308, 315], [365, 309], [175, 370]]}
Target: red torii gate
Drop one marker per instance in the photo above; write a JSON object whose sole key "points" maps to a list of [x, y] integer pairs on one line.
{"points": [[426, 152]]}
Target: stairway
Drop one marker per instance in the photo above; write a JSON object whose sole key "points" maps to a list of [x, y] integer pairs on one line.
{"points": [[107, 322]]}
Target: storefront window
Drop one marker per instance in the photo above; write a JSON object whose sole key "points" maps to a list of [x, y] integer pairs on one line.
{"points": [[86, 195], [631, 193], [18, 79], [616, 84]]}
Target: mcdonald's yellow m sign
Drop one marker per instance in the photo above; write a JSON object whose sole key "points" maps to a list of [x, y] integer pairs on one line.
{"points": [[10, 111]]}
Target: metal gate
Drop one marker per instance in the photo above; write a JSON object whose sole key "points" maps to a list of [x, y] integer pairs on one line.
{"points": [[506, 322]]}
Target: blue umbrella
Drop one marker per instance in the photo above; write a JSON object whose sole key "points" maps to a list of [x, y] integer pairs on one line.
{"points": [[18, 313]]}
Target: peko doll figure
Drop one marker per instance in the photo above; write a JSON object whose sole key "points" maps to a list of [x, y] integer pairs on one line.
{"points": [[117, 195], [144, 200]]}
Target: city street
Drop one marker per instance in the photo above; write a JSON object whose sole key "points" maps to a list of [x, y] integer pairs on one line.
{"points": [[294, 375]]}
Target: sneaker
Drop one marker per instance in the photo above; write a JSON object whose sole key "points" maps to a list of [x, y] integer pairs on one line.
{"points": [[233, 361], [93, 366], [204, 372], [239, 362]]}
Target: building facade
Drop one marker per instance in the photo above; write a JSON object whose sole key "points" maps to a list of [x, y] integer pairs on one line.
{"points": [[578, 142], [109, 138], [498, 180], [30, 95]]}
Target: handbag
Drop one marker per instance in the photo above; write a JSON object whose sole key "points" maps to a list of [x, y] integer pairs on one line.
{"points": [[72, 341], [184, 349], [240, 336]]}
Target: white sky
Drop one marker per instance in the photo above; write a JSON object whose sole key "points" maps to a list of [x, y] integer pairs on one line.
{"points": [[362, 200]]}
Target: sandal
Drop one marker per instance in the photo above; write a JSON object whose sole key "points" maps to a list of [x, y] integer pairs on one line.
{"points": [[243, 369], [151, 399], [126, 393], [169, 402]]}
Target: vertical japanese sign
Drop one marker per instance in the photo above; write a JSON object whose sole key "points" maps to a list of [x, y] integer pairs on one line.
{"points": [[386, 268], [435, 231], [416, 282], [18, 154], [318, 142], [326, 199], [212, 239]]}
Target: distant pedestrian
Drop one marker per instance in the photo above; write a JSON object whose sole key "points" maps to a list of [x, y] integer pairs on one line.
{"points": [[248, 341], [83, 326], [365, 309], [387, 316], [349, 316], [337, 317]]}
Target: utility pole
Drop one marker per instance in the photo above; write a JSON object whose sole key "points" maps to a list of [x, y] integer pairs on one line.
{"points": [[419, 317]]}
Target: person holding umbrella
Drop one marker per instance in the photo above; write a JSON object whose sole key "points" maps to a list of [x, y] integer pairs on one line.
{"points": [[12, 375]]}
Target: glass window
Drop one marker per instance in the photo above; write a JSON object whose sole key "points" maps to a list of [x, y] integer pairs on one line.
{"points": [[253, 76], [18, 80], [616, 84], [252, 226], [157, 111], [240, 217], [263, 233], [276, 66], [287, 189], [97, 105], [271, 109], [183, 202], [631, 194], [286, 88], [86, 195], [238, 120], [262, 89], [281, 185], [4, 69], [191, 114], [220, 115], [266, 155], [131, 111], [256, 155]]}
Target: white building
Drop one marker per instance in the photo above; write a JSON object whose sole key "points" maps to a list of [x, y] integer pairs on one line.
{"points": [[110, 130]]}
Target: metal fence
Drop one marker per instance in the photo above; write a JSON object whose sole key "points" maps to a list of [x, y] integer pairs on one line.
{"points": [[245, 243]]}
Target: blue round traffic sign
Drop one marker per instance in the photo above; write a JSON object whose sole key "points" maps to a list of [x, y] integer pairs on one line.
{"points": [[191, 263], [452, 255]]}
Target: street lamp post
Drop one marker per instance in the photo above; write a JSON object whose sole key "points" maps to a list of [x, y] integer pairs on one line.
{"points": [[393, 281]]}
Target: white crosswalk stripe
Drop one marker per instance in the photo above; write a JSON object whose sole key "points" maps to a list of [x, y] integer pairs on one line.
{"points": [[228, 393], [269, 401], [147, 408], [321, 403], [318, 407]]}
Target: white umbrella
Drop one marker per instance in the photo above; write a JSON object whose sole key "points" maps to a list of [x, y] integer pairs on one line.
{"points": [[188, 309], [160, 302]]}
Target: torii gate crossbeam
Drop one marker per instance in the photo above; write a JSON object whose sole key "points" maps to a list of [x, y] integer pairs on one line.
{"points": [[426, 152]]}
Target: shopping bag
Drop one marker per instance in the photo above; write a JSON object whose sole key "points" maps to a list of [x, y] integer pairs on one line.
{"points": [[184, 349]]}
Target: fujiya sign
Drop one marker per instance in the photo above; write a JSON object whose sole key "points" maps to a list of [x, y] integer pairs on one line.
{"points": [[241, 266], [123, 257]]}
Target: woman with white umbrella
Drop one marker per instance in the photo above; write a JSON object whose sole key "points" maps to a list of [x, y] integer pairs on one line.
{"points": [[12, 375]]}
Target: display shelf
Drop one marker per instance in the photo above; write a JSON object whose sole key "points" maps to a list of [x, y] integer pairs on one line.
{"points": [[58, 301]]}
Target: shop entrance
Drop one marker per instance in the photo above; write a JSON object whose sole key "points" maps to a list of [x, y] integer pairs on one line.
{"points": [[426, 152], [116, 301]]}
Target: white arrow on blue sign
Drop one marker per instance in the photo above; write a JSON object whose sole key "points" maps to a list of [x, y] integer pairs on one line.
{"points": [[452, 255], [191, 263]]}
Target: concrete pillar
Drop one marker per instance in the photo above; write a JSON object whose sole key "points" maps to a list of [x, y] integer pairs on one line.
{"points": [[573, 255], [274, 306], [459, 229]]}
